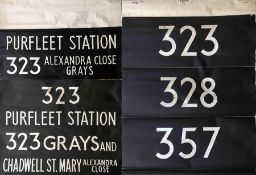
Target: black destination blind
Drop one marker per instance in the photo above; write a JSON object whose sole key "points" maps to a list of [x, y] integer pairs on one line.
{"points": [[189, 94], [60, 101]]}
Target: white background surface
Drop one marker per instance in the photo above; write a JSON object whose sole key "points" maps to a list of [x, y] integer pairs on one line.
{"points": [[41, 14]]}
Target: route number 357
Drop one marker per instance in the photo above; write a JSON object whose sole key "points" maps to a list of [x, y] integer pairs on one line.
{"points": [[186, 140]]}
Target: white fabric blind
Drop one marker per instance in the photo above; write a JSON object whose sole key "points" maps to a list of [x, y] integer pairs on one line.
{"points": [[22, 14]]}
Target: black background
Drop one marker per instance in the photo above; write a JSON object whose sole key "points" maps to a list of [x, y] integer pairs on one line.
{"points": [[58, 72], [143, 91], [142, 40], [234, 148]]}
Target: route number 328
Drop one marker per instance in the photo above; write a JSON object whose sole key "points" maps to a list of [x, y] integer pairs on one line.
{"points": [[186, 104]]}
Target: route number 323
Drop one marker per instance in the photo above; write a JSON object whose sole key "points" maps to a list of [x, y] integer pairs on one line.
{"points": [[186, 52]]}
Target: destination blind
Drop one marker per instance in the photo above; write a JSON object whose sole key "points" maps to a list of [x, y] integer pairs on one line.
{"points": [[60, 101], [188, 94]]}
